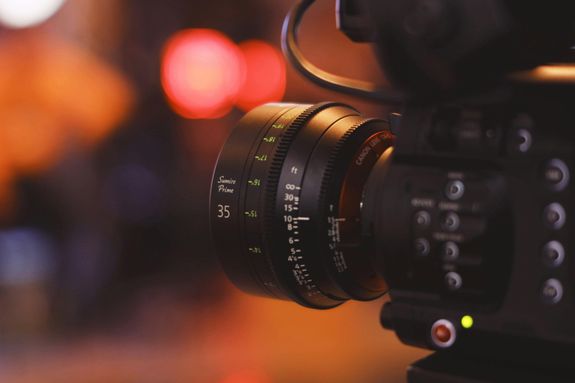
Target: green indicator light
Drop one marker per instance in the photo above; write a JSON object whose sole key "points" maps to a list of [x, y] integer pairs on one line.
{"points": [[467, 321]]}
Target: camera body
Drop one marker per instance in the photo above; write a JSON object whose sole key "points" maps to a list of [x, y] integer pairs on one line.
{"points": [[477, 252]]}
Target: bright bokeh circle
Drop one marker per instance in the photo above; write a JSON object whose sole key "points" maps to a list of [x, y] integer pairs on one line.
{"points": [[27, 13], [202, 73], [265, 75]]}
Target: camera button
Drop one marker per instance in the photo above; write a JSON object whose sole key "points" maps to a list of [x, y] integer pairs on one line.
{"points": [[556, 174], [523, 140], [422, 219], [552, 291], [450, 251], [451, 221], [422, 247], [554, 216], [453, 281], [454, 190], [443, 333], [553, 254]]}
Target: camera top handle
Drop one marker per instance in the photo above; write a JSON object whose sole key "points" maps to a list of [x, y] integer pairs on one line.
{"points": [[441, 49], [325, 79]]}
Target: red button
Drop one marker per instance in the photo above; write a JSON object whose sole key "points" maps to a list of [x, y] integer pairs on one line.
{"points": [[442, 333]]}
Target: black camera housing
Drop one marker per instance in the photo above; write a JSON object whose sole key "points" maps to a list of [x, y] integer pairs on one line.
{"points": [[472, 220]]}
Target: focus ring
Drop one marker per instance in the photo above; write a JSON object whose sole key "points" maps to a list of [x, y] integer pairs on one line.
{"points": [[275, 169]]}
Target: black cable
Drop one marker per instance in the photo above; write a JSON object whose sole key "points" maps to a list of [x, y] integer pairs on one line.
{"points": [[322, 78]]}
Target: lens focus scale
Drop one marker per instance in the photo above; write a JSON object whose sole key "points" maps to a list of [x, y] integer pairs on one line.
{"points": [[303, 270]]}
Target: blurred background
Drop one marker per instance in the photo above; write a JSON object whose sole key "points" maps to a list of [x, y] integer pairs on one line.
{"points": [[112, 114]]}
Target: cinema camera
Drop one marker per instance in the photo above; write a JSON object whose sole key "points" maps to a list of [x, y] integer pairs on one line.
{"points": [[459, 207]]}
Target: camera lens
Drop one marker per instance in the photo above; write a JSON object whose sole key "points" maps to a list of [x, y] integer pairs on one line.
{"points": [[286, 203]]}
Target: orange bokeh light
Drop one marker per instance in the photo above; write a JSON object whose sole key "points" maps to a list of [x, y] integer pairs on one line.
{"points": [[265, 75], [247, 376], [54, 97], [202, 72]]}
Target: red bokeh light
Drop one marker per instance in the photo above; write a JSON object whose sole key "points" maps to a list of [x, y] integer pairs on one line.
{"points": [[202, 72], [265, 76]]}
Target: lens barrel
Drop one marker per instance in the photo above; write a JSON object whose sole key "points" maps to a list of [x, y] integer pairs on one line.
{"points": [[286, 203]]}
